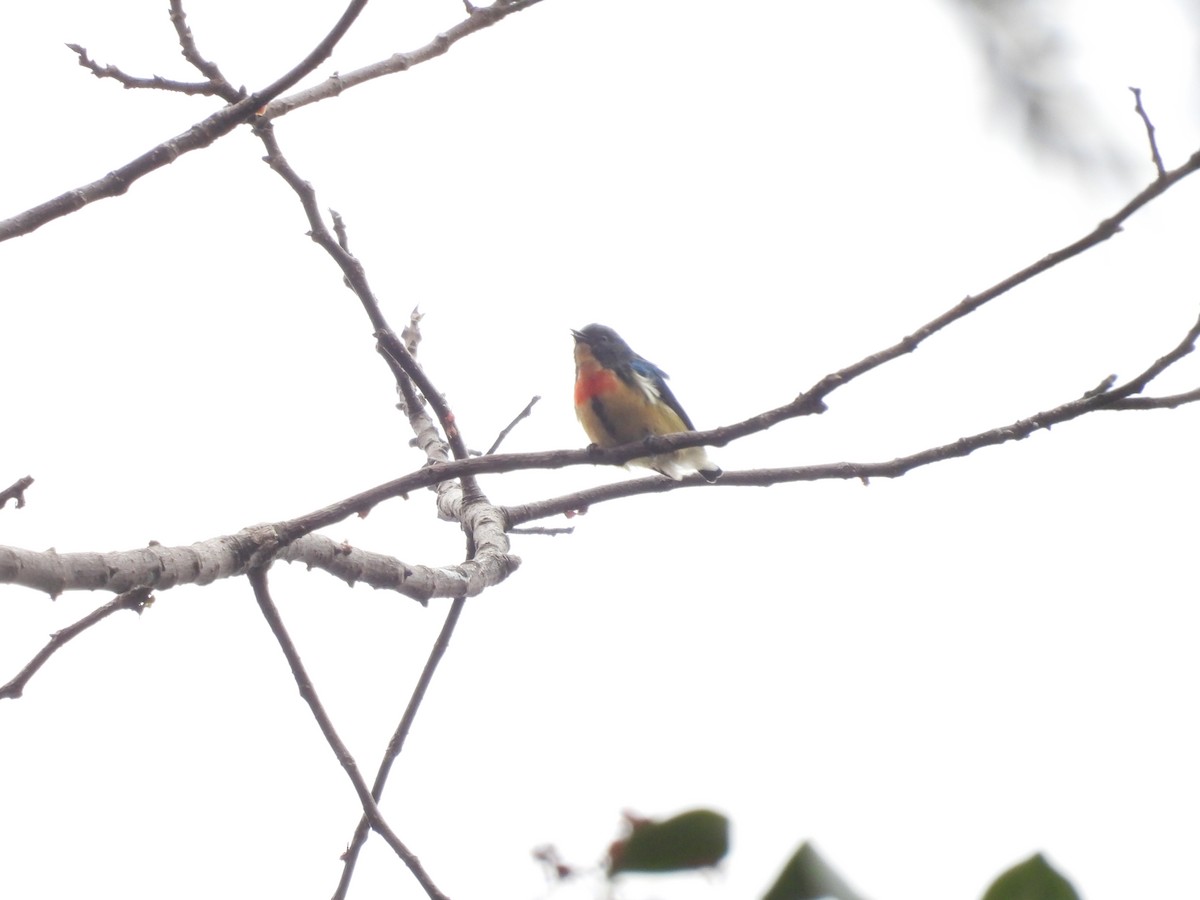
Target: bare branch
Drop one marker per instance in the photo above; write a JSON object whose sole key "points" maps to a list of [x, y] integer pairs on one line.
{"points": [[478, 18], [16, 491], [1091, 401], [382, 572], [339, 229], [813, 400], [258, 581], [137, 600], [1099, 234], [1138, 383], [154, 82], [1171, 401], [198, 136], [404, 366], [523, 414], [215, 84], [396, 744], [187, 45], [161, 568], [1154, 154]]}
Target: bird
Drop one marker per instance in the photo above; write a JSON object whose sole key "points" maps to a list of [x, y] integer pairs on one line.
{"points": [[621, 397]]}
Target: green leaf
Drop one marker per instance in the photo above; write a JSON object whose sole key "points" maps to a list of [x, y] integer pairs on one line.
{"points": [[1034, 879], [691, 840], [807, 877]]}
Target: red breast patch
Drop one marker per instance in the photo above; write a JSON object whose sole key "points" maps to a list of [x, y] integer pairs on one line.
{"points": [[594, 383]]}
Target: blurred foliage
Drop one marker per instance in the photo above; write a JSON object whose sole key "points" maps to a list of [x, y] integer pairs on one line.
{"points": [[1028, 59], [699, 839], [1034, 879], [808, 877], [696, 839]]}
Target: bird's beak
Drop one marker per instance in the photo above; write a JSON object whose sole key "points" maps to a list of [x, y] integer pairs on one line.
{"points": [[580, 337]]}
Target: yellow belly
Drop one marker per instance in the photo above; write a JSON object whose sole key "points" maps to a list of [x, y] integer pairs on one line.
{"points": [[626, 415]]}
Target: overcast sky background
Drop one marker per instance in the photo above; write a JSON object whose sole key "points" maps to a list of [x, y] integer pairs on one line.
{"points": [[931, 678]]}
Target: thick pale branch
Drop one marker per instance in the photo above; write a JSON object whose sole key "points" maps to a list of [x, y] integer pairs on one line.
{"points": [[155, 567], [422, 583], [159, 568]]}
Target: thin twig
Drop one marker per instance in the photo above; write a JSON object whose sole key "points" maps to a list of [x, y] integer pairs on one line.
{"points": [[1154, 154], [339, 229], [258, 580], [511, 425], [133, 82], [179, 565], [396, 744], [1138, 383], [198, 136], [187, 45], [1167, 401], [403, 363], [137, 600], [16, 491], [478, 18]]}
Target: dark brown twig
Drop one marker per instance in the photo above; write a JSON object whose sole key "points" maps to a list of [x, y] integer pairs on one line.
{"points": [[478, 18], [403, 363], [1154, 154], [137, 600], [258, 580], [1102, 232], [187, 45], [523, 414], [198, 136], [1167, 401], [153, 82], [396, 744], [1139, 382]]}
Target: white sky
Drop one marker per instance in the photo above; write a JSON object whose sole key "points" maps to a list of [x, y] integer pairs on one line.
{"points": [[931, 678]]}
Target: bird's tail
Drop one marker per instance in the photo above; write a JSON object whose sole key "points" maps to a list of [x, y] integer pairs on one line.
{"points": [[681, 463]]}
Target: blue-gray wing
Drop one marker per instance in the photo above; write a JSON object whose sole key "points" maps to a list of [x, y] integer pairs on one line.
{"points": [[654, 379]]}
